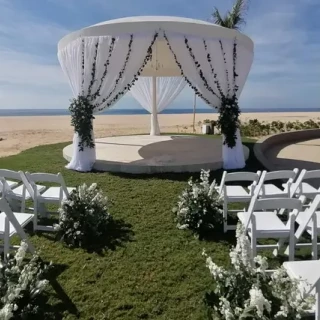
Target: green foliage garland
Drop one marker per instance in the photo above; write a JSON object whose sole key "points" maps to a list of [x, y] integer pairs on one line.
{"points": [[229, 109], [81, 111], [228, 120], [82, 107]]}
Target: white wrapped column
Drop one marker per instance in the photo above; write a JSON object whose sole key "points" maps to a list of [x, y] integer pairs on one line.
{"points": [[155, 94], [154, 129], [233, 158]]}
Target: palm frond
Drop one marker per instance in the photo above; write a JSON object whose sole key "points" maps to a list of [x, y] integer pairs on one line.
{"points": [[217, 18], [237, 14]]}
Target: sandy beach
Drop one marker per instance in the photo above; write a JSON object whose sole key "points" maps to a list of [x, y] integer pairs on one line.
{"points": [[21, 133]]}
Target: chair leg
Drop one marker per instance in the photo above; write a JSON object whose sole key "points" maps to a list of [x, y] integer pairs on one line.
{"points": [[35, 215], [6, 240], [279, 246], [225, 214], [253, 245], [291, 247], [314, 237]]}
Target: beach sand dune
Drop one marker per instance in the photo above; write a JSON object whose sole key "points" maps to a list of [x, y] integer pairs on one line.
{"points": [[21, 133]]}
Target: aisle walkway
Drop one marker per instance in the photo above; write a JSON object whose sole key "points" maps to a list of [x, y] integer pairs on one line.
{"points": [[302, 155]]}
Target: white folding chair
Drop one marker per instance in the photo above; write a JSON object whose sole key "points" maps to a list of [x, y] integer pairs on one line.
{"points": [[309, 221], [270, 190], [307, 188], [235, 193], [16, 193], [261, 221], [10, 183], [12, 223], [53, 195], [308, 272]]}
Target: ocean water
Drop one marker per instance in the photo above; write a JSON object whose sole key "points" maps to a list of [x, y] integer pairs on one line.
{"points": [[61, 112]]}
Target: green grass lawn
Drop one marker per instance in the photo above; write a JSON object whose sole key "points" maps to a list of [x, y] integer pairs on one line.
{"points": [[155, 272]]}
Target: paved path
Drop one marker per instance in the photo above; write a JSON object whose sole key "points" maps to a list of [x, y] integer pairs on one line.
{"points": [[302, 155]]}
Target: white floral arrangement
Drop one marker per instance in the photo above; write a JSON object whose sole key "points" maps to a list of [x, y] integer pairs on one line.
{"points": [[84, 217], [22, 284], [247, 291], [199, 207]]}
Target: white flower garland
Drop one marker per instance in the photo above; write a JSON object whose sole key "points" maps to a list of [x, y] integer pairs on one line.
{"points": [[199, 207], [247, 291]]}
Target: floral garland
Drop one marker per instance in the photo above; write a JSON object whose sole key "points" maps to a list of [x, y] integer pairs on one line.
{"points": [[82, 107], [195, 89], [81, 111], [229, 110], [246, 290]]}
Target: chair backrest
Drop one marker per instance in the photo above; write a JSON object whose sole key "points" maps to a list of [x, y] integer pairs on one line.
{"points": [[252, 177], [242, 176], [8, 175], [288, 175], [34, 178], [312, 174], [278, 203]]}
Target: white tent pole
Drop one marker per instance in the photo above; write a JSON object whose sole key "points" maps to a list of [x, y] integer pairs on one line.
{"points": [[194, 112], [155, 130]]}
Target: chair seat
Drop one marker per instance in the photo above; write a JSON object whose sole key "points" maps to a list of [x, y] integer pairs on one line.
{"points": [[19, 191], [301, 219], [53, 193], [266, 222], [22, 218], [237, 191], [12, 184]]}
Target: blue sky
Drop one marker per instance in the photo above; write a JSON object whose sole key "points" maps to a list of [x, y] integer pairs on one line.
{"points": [[285, 71]]}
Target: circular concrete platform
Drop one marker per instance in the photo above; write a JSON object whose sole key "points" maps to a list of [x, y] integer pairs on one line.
{"points": [[155, 154]]}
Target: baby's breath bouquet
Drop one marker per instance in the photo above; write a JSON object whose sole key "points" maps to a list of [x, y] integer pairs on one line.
{"points": [[199, 207], [247, 291], [84, 217], [22, 285]]}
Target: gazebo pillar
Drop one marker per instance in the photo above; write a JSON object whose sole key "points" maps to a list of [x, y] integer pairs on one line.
{"points": [[155, 129]]}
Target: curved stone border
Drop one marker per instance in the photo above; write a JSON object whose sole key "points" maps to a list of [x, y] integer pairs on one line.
{"points": [[262, 145]]}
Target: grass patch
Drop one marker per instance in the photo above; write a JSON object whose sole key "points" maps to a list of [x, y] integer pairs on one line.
{"points": [[158, 273]]}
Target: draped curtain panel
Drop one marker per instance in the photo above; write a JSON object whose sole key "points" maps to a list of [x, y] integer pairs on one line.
{"points": [[218, 50], [111, 57], [168, 88]]}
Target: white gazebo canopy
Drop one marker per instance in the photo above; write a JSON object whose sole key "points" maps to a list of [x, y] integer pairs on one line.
{"points": [[150, 24], [180, 45]]}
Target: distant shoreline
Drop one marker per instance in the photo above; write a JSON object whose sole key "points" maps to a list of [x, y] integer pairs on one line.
{"points": [[118, 112], [23, 132]]}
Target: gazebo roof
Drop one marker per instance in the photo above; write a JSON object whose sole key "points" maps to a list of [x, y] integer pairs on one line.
{"points": [[140, 25]]}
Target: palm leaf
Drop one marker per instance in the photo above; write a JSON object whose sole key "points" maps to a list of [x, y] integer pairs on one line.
{"points": [[217, 18], [237, 14]]}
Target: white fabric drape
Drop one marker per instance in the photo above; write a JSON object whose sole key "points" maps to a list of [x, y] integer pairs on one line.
{"points": [[168, 88], [70, 59], [233, 158]]}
